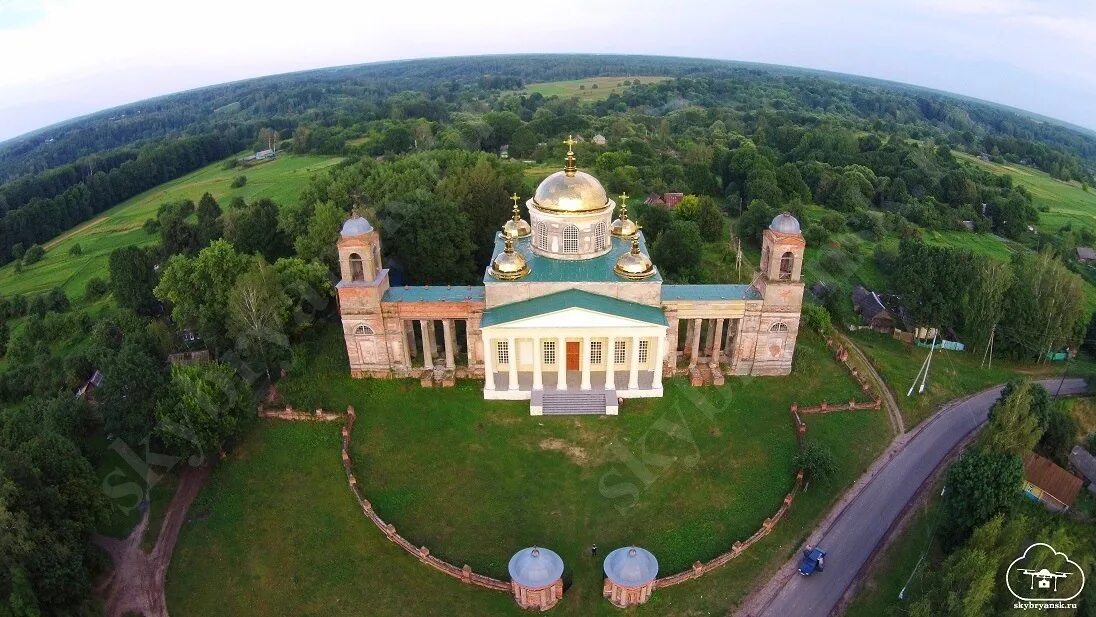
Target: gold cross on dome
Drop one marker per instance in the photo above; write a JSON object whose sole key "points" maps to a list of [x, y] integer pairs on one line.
{"points": [[624, 198], [515, 199], [570, 141]]}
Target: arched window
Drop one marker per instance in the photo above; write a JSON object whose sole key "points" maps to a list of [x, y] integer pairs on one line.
{"points": [[779, 327], [787, 260], [542, 236], [599, 236], [363, 329], [357, 273], [570, 239]]}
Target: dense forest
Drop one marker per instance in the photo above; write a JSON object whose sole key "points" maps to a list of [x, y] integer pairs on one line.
{"points": [[421, 141]]}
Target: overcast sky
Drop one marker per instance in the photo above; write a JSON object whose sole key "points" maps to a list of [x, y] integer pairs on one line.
{"points": [[64, 58]]}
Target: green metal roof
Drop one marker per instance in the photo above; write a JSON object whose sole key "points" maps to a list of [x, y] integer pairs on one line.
{"points": [[455, 293], [572, 298], [709, 292], [549, 270]]}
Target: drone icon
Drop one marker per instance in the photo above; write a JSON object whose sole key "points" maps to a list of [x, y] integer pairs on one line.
{"points": [[1044, 579]]}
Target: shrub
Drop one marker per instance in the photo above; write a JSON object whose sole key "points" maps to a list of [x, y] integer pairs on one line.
{"points": [[95, 288], [817, 318], [151, 226], [239, 181], [816, 461], [33, 254], [76, 249]]}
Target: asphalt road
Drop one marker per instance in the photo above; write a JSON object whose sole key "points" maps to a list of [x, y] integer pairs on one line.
{"points": [[858, 529]]}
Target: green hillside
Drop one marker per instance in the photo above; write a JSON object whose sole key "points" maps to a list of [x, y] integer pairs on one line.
{"points": [[282, 180]]}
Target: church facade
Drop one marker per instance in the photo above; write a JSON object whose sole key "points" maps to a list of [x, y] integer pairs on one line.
{"points": [[572, 314]]}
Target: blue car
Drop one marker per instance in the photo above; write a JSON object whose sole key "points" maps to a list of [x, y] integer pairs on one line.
{"points": [[814, 560]]}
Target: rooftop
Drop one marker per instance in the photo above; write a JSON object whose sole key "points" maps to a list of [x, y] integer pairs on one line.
{"points": [[549, 270], [572, 298], [1051, 478]]}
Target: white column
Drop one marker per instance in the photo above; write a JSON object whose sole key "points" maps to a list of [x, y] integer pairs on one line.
{"points": [[633, 373], [584, 362], [538, 356], [561, 363], [406, 348], [447, 330], [660, 351], [488, 364], [513, 358], [610, 377], [427, 344]]}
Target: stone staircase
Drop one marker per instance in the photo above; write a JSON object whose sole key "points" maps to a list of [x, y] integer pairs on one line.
{"points": [[574, 402]]}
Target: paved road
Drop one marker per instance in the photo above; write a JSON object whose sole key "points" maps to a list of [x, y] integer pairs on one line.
{"points": [[858, 529]]}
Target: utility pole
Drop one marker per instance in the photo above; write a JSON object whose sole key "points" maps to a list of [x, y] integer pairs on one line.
{"points": [[928, 365], [1062, 381], [738, 256], [989, 348]]}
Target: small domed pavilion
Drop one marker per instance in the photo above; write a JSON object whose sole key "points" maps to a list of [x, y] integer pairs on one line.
{"points": [[630, 573], [536, 578]]}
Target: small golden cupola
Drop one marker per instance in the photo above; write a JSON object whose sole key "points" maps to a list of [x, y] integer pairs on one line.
{"points": [[634, 264], [509, 264], [517, 227], [624, 227]]}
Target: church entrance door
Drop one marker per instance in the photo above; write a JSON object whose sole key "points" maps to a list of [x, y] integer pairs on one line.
{"points": [[572, 355]]}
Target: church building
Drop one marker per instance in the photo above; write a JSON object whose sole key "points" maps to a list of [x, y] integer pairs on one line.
{"points": [[572, 314]]}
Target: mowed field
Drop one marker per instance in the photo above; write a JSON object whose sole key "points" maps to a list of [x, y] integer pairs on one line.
{"points": [[281, 180], [584, 88], [1067, 201]]}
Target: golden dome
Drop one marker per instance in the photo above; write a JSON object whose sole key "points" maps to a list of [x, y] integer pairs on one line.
{"points": [[517, 227], [570, 190], [509, 264], [623, 226], [634, 264]]}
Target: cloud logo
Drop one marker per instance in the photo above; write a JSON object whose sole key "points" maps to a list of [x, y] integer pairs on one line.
{"points": [[1043, 574]]}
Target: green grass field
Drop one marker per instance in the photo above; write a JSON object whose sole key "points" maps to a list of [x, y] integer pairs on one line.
{"points": [[584, 89], [281, 180], [1067, 202], [279, 533]]}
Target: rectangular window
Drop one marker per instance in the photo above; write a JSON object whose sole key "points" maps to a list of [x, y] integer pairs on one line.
{"points": [[619, 352], [503, 352], [549, 352], [643, 351], [595, 352]]}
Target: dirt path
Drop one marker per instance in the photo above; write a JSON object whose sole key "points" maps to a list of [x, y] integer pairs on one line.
{"points": [[136, 585], [893, 411]]}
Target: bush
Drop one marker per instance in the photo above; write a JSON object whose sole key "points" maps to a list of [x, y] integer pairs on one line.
{"points": [[33, 254], [816, 461], [817, 318], [1059, 437], [239, 181], [76, 250], [95, 288], [151, 226]]}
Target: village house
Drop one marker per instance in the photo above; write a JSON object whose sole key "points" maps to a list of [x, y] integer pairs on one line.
{"points": [[1085, 464], [1049, 484], [1085, 254]]}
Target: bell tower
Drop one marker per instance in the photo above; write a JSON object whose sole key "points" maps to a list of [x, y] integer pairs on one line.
{"points": [[781, 288], [360, 290]]}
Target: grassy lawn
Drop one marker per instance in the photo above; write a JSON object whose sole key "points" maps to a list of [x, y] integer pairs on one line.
{"points": [[125, 487], [1067, 202], [953, 374], [685, 476], [584, 88], [281, 180]]}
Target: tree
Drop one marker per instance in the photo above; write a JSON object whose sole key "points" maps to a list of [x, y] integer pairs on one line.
{"points": [[76, 250], [710, 220], [677, 250], [317, 243], [430, 238], [132, 278], [254, 229], [1060, 435], [482, 192], [755, 220], [655, 219], [206, 405], [1012, 427], [816, 461], [980, 485], [239, 182], [33, 255], [1043, 309], [133, 380], [308, 284], [209, 226], [257, 312], [198, 288]]}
